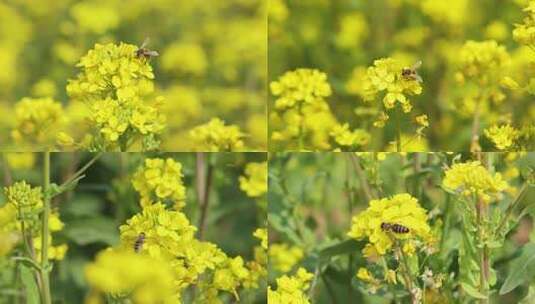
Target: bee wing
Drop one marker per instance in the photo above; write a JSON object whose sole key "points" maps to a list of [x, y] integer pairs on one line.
{"points": [[417, 65], [152, 53], [145, 43]]}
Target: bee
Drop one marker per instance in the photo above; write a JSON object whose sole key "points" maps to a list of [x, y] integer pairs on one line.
{"points": [[138, 244], [397, 228], [410, 74], [143, 52]]}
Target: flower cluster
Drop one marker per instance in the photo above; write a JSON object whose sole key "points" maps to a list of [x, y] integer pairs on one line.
{"points": [[23, 207], [471, 178], [121, 273], [215, 136], [114, 82], [503, 136], [386, 75], [169, 237], [185, 58], [254, 183], [283, 257], [479, 60], [160, 180], [299, 87], [401, 209], [311, 124], [350, 139], [353, 30], [524, 33], [291, 289], [37, 119]]}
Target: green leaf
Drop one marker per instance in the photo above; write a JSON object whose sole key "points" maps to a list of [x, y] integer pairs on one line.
{"points": [[472, 291], [519, 270], [83, 205], [31, 290], [94, 230], [340, 248], [28, 263], [281, 224]]}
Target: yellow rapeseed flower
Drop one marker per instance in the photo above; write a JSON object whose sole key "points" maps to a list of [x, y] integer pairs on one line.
{"points": [[401, 209], [291, 289], [37, 120], [471, 178], [502, 136], [215, 136], [283, 257], [160, 180], [121, 273], [254, 183], [300, 86]]}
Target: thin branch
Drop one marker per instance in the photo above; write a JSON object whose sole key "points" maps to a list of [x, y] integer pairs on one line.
{"points": [[45, 287], [78, 173], [365, 187], [204, 172]]}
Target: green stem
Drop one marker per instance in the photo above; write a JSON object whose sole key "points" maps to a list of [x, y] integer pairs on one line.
{"points": [[407, 275], [78, 173], [45, 283], [390, 289], [512, 206], [330, 289], [483, 254]]}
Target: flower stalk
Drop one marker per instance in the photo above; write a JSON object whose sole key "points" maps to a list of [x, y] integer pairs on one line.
{"points": [[44, 271]]}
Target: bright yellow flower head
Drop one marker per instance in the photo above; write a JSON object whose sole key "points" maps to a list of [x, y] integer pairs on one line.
{"points": [[471, 178], [386, 75], [401, 209], [502, 136], [300, 86], [22, 160], [364, 275], [346, 138], [284, 257], [37, 120], [166, 232], [524, 33], [145, 279], [480, 58], [215, 136], [115, 84], [23, 206], [291, 290], [160, 180], [254, 183]]}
